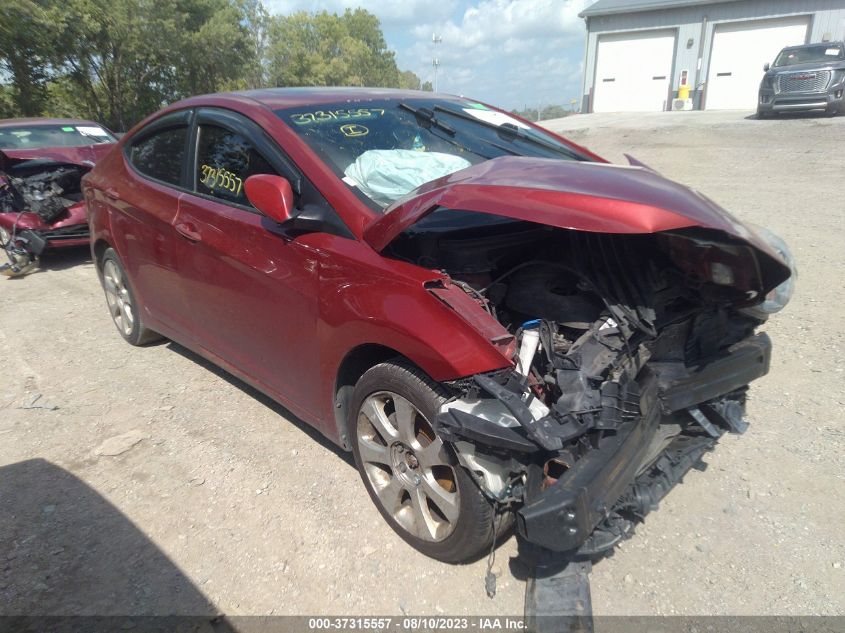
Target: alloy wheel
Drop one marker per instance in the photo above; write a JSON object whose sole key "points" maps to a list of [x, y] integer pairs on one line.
{"points": [[408, 466], [118, 298]]}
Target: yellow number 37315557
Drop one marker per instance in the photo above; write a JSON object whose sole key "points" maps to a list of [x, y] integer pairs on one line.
{"points": [[221, 179]]}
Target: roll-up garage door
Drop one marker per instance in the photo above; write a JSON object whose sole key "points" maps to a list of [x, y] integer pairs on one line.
{"points": [[740, 50], [634, 71]]}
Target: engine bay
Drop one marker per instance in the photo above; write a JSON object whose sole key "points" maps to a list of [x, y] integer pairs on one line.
{"points": [[46, 188], [611, 336]]}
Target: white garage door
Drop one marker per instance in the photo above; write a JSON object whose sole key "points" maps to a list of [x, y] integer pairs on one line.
{"points": [[739, 51], [633, 71]]}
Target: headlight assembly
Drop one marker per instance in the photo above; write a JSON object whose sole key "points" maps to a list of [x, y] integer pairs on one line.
{"points": [[778, 297]]}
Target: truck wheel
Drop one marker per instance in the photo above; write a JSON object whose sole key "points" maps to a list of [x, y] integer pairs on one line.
{"points": [[123, 307], [413, 478]]}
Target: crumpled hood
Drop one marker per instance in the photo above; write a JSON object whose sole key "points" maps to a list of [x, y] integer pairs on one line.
{"points": [[583, 196], [86, 155]]}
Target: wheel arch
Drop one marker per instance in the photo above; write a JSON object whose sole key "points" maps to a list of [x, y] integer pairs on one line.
{"points": [[354, 365], [98, 250]]}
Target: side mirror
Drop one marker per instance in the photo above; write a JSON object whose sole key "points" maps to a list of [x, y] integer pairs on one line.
{"points": [[272, 195], [766, 67]]}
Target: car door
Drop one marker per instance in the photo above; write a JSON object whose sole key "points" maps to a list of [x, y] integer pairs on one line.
{"points": [[145, 200], [251, 286]]}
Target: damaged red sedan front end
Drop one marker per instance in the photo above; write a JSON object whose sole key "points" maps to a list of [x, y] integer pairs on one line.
{"points": [[628, 306], [41, 202]]}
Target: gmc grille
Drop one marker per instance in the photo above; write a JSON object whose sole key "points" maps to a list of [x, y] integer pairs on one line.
{"points": [[815, 81]]}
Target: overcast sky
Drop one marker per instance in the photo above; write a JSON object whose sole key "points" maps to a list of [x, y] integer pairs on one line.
{"points": [[510, 53]]}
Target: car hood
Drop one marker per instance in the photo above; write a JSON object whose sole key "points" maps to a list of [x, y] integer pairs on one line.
{"points": [[87, 155], [581, 196]]}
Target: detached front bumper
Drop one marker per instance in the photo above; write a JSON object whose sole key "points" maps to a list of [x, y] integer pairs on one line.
{"points": [[563, 516]]}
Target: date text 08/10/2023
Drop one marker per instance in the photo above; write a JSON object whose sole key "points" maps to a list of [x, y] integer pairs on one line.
{"points": [[382, 624]]}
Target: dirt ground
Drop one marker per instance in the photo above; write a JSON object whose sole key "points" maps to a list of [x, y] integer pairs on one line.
{"points": [[143, 481]]}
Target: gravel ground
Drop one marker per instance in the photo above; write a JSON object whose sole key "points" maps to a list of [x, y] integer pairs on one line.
{"points": [[140, 481]]}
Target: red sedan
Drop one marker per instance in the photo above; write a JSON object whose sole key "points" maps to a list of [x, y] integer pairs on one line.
{"points": [[42, 162], [500, 325]]}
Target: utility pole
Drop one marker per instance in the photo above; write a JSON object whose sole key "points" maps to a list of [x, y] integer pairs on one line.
{"points": [[435, 39]]}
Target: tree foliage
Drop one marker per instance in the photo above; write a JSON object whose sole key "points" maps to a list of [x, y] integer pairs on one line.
{"points": [[118, 60], [26, 47], [544, 113], [326, 49]]}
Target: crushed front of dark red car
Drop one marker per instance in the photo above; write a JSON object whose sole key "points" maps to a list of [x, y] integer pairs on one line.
{"points": [[626, 308], [41, 202]]}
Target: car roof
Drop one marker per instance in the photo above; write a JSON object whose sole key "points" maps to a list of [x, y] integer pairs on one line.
{"points": [[814, 44], [45, 121], [277, 98]]}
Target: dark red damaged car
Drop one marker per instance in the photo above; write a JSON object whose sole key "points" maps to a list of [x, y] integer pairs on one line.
{"points": [[500, 325], [42, 162]]}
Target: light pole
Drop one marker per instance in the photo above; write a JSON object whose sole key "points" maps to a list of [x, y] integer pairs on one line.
{"points": [[435, 39]]}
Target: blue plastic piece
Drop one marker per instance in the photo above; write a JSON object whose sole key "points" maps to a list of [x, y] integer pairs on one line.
{"points": [[530, 325]]}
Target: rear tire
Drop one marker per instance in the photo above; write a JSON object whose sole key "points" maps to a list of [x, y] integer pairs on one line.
{"points": [[413, 478], [123, 306]]}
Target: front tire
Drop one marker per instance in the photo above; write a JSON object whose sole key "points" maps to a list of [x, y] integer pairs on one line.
{"points": [[413, 478], [123, 306]]}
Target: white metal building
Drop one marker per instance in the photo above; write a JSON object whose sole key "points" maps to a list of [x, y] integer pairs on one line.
{"points": [[639, 52]]}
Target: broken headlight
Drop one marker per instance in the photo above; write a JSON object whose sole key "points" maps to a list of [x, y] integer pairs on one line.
{"points": [[778, 297]]}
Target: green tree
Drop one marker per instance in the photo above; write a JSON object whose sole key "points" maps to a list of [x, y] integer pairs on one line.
{"points": [[256, 20], [8, 107], [118, 60], [26, 44], [126, 58], [409, 81], [326, 49], [216, 46]]}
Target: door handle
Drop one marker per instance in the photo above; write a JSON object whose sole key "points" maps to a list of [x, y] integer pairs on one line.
{"points": [[111, 194], [188, 230]]}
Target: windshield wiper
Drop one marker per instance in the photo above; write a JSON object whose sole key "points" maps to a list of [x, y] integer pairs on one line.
{"points": [[510, 132], [427, 116], [424, 114]]}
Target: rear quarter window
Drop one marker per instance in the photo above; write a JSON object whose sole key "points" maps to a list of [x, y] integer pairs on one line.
{"points": [[161, 154]]}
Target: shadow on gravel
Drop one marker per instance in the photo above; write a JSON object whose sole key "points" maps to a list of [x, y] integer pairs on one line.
{"points": [[64, 258], [66, 551], [267, 401], [55, 260]]}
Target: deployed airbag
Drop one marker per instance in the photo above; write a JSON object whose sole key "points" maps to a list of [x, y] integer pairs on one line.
{"points": [[385, 175]]}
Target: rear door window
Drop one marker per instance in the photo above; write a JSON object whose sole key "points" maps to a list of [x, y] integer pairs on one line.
{"points": [[161, 154], [225, 159]]}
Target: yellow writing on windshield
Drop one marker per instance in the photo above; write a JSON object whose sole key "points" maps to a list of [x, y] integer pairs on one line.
{"points": [[325, 116]]}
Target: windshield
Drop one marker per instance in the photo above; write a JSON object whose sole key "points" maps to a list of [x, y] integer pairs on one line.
{"points": [[37, 136], [810, 54], [383, 149]]}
